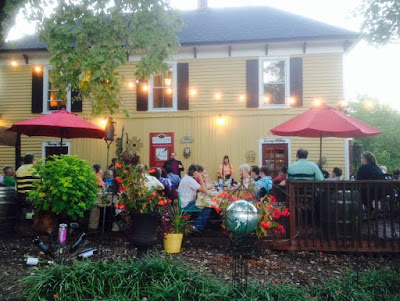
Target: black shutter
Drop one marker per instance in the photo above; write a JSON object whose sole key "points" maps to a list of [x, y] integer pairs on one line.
{"points": [[76, 101], [252, 83], [296, 80], [183, 86], [37, 91], [142, 103]]}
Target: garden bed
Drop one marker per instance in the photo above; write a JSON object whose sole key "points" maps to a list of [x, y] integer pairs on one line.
{"points": [[298, 268]]}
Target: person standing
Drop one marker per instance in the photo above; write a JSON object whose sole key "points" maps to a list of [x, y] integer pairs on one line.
{"points": [[8, 179], [176, 165], [225, 170], [304, 169]]}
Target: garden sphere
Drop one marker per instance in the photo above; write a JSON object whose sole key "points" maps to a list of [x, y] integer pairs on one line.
{"points": [[241, 217]]}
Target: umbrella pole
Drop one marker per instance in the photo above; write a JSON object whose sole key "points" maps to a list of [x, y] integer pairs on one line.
{"points": [[320, 151]]}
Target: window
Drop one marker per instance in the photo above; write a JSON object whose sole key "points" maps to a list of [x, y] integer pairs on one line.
{"points": [[50, 101], [274, 82], [163, 90]]}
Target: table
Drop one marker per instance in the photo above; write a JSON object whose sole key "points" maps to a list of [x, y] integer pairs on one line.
{"points": [[210, 199]]}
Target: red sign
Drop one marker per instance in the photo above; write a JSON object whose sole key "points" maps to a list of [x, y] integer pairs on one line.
{"points": [[161, 146]]}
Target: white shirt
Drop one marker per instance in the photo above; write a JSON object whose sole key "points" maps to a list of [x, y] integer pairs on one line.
{"points": [[188, 190]]}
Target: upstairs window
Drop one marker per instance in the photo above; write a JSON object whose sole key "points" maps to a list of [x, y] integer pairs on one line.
{"points": [[163, 91], [274, 82], [50, 101]]}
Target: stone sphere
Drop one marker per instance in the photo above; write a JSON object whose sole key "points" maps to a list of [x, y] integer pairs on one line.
{"points": [[241, 217]]}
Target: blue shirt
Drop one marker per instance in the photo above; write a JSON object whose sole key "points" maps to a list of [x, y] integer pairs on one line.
{"points": [[265, 183], [302, 166]]}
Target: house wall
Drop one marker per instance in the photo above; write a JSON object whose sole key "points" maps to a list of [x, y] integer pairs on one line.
{"points": [[322, 77]]}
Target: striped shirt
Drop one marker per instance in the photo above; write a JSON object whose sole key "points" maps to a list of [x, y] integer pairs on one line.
{"points": [[25, 178]]}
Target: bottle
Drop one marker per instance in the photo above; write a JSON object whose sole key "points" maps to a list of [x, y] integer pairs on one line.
{"points": [[62, 233], [221, 184], [37, 241], [77, 243], [87, 253], [37, 261]]}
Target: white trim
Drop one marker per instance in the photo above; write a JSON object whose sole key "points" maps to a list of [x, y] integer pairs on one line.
{"points": [[273, 140], [46, 70], [347, 166], [261, 104], [54, 143], [174, 66]]}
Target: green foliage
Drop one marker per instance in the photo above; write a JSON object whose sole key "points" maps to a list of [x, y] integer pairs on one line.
{"points": [[177, 221], [155, 279], [90, 39], [385, 145], [67, 186], [381, 24]]}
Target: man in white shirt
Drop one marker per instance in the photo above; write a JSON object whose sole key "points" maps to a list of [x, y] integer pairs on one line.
{"points": [[188, 188]]}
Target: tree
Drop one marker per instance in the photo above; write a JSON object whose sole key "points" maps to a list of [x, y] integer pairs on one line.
{"points": [[386, 145], [8, 12], [381, 24], [88, 40]]}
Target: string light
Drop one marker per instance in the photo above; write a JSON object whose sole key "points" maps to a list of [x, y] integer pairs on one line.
{"points": [[242, 98], [14, 63], [193, 92], [221, 120], [368, 104], [38, 69], [292, 101], [145, 88], [266, 100], [169, 90], [131, 84], [317, 102], [218, 96], [343, 104], [103, 123]]}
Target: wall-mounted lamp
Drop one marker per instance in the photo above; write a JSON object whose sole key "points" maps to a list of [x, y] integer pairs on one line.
{"points": [[221, 120], [187, 152], [109, 130]]}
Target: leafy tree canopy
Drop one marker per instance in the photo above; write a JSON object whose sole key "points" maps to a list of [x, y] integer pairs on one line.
{"points": [[386, 145], [88, 40], [381, 24], [8, 12]]}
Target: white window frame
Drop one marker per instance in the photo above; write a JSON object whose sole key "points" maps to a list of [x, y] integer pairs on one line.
{"points": [[261, 104], [54, 143], [46, 97], [174, 107]]}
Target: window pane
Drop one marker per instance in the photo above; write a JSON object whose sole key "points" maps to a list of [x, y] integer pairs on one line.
{"points": [[274, 82], [54, 105], [162, 98]]}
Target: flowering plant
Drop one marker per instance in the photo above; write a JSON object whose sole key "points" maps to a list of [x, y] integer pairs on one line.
{"points": [[136, 191], [268, 212], [176, 221]]}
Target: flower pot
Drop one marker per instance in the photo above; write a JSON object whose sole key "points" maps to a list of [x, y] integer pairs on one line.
{"points": [[144, 229], [173, 242]]}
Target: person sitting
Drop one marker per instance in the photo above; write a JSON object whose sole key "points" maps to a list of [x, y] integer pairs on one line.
{"points": [[188, 189], [8, 179], [281, 177], [304, 169], [156, 172], [175, 180], [248, 182], [265, 183], [369, 170], [25, 177], [255, 173], [203, 179], [336, 174], [326, 174]]}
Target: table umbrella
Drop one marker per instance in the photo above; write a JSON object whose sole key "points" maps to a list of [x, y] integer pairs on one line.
{"points": [[324, 121], [61, 124]]}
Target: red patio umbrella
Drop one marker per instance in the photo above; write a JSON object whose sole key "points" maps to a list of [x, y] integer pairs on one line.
{"points": [[324, 121], [61, 124]]}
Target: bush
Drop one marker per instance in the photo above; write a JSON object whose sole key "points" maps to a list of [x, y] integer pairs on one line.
{"points": [[67, 186]]}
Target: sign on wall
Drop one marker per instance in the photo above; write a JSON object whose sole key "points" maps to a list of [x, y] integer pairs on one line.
{"points": [[161, 146]]}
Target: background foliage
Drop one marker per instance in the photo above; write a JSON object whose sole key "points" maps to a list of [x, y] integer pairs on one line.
{"points": [[386, 145]]}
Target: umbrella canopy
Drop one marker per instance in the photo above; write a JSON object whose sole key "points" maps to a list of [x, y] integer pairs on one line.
{"points": [[324, 121], [61, 124]]}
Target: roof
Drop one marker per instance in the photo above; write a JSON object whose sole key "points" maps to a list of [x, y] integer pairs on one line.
{"points": [[234, 25]]}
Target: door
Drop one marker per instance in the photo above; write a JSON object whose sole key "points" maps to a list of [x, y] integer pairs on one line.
{"points": [[275, 156]]}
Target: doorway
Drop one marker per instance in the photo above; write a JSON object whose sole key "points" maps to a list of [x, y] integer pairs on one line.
{"points": [[275, 154], [50, 148]]}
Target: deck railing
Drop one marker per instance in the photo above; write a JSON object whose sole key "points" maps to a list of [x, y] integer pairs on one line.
{"points": [[342, 216]]}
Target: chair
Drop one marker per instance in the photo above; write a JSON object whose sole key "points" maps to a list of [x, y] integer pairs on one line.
{"points": [[191, 210], [301, 176]]}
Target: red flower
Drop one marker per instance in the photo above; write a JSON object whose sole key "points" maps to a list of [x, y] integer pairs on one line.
{"points": [[273, 199], [286, 212], [266, 225], [277, 214], [119, 180], [122, 207], [118, 165], [160, 198], [152, 170], [122, 188], [186, 216]]}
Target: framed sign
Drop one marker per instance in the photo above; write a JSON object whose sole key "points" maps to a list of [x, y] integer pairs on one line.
{"points": [[161, 146]]}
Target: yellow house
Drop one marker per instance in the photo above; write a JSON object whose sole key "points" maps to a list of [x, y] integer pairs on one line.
{"points": [[239, 73]]}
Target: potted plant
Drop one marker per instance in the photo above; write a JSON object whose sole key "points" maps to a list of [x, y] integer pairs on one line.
{"points": [[142, 200], [67, 187], [175, 224]]}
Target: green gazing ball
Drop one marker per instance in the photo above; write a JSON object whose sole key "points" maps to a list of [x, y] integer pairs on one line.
{"points": [[241, 217]]}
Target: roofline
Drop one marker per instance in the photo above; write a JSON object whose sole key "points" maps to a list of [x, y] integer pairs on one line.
{"points": [[24, 49]]}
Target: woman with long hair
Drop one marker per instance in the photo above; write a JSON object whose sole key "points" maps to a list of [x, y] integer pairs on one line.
{"points": [[225, 170], [369, 169]]}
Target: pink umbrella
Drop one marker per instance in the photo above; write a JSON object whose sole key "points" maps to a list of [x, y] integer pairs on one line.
{"points": [[324, 121]]}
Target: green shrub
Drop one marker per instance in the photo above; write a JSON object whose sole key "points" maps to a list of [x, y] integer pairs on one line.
{"points": [[67, 186]]}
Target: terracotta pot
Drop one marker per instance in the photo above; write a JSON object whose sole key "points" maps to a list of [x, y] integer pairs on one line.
{"points": [[173, 242], [44, 220]]}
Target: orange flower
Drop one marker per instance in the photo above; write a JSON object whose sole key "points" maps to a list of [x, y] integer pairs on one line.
{"points": [[118, 165]]}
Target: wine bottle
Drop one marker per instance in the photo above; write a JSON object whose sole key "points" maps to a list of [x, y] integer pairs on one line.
{"points": [[37, 261], [37, 241], [78, 242]]}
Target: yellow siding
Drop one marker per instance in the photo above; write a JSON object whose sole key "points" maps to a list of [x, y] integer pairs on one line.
{"points": [[322, 77]]}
